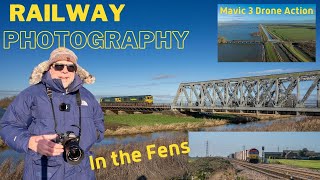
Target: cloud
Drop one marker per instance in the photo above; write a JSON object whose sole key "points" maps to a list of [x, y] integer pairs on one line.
{"points": [[163, 76], [272, 71]]}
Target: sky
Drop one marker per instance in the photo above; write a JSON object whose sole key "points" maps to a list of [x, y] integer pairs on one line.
{"points": [[225, 143], [137, 72]]}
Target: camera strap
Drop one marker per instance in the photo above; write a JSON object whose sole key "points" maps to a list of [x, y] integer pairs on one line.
{"points": [[78, 98]]}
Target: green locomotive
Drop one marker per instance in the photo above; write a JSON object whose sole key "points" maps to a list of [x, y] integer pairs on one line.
{"points": [[127, 100]]}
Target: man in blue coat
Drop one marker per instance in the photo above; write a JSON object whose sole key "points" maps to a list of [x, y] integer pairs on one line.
{"points": [[55, 103]]}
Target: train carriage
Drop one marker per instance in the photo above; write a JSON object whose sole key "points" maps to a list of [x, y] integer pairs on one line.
{"points": [[142, 100]]}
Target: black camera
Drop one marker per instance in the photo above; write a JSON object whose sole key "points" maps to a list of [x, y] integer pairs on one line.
{"points": [[72, 154], [64, 107]]}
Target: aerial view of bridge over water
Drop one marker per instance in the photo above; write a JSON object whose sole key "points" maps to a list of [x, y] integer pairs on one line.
{"points": [[275, 43], [251, 37]]}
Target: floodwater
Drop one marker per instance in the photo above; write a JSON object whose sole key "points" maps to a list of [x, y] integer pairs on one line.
{"points": [[239, 31], [239, 52], [9, 153]]}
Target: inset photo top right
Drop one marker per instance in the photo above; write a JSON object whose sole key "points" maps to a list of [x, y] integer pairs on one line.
{"points": [[267, 32]]}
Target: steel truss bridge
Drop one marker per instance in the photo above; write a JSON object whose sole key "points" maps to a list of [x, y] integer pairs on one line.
{"points": [[290, 93]]}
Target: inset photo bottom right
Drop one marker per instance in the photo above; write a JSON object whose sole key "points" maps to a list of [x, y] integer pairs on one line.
{"points": [[255, 155]]}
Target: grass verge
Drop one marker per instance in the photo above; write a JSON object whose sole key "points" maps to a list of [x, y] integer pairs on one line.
{"points": [[311, 164], [270, 52], [148, 123], [148, 119]]}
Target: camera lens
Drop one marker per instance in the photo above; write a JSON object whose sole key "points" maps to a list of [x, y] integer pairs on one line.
{"points": [[74, 154]]}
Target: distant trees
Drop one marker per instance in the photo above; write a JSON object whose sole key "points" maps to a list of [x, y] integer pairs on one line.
{"points": [[303, 152], [5, 102]]}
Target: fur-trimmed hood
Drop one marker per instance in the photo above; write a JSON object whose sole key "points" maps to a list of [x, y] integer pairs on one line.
{"points": [[39, 70]]}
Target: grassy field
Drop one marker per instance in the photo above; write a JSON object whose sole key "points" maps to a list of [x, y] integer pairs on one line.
{"points": [[294, 32], [312, 164], [147, 123], [148, 119]]}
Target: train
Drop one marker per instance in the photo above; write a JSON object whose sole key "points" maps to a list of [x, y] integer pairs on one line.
{"points": [[251, 155], [141, 100]]}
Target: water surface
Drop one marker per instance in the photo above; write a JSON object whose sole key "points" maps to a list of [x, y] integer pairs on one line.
{"points": [[239, 52]]}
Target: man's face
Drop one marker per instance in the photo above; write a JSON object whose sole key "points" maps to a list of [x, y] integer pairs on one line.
{"points": [[64, 74]]}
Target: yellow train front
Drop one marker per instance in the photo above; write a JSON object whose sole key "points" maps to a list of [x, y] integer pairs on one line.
{"points": [[253, 155], [142, 100]]}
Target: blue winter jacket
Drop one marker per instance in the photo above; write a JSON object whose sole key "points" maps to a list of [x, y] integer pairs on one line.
{"points": [[31, 114]]}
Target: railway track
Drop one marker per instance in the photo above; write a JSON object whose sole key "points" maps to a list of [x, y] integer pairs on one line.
{"points": [[133, 107], [299, 172], [279, 172]]}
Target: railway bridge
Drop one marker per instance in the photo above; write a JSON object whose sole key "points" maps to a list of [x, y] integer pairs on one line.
{"points": [[290, 93], [243, 42]]}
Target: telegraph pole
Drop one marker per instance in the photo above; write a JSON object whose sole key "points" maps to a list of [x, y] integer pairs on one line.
{"points": [[263, 160], [207, 148]]}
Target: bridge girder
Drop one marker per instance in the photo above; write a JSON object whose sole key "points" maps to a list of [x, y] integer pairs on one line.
{"points": [[290, 91]]}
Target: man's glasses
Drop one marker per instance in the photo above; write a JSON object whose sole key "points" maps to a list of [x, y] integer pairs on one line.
{"points": [[70, 67]]}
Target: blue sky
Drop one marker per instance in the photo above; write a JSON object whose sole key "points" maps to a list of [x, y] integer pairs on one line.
{"points": [[225, 143], [135, 72], [259, 17]]}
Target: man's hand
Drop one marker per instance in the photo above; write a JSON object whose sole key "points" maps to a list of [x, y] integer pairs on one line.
{"points": [[43, 145]]}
